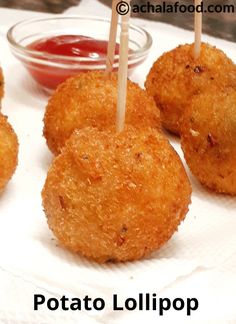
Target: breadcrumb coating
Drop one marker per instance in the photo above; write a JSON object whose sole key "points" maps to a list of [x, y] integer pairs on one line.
{"points": [[90, 99], [208, 139], [116, 196], [176, 76], [8, 152]]}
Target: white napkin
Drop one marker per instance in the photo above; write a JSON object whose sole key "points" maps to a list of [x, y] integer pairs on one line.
{"points": [[199, 261]]}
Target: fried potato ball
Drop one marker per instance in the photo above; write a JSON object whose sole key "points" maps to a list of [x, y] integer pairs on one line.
{"points": [[208, 139], [116, 196], [89, 99], [1, 85], [8, 151], [176, 76]]}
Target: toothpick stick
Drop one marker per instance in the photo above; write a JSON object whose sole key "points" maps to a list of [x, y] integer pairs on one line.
{"points": [[123, 72], [198, 30], [112, 38]]}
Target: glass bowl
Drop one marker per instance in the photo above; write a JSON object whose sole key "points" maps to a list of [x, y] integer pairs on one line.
{"points": [[49, 70]]}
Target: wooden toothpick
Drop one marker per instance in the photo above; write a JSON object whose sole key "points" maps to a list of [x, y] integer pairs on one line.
{"points": [[123, 72], [112, 38], [198, 30]]}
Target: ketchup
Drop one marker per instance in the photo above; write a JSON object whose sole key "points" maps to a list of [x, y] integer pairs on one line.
{"points": [[65, 45], [73, 45]]}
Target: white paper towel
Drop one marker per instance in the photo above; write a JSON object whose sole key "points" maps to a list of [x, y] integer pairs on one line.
{"points": [[199, 261]]}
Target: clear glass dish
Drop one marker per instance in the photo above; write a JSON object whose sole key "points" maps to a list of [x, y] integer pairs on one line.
{"points": [[49, 70]]}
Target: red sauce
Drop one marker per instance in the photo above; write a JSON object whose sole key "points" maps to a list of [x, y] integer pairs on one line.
{"points": [[73, 45], [66, 45]]}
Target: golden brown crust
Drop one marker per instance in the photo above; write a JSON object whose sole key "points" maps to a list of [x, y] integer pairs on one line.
{"points": [[8, 151], [176, 76], [115, 196], [89, 99], [208, 139]]}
